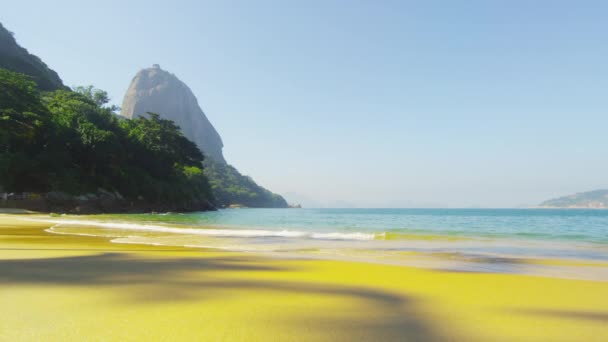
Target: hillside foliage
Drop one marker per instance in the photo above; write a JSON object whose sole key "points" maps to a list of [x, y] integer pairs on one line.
{"points": [[230, 187], [56, 139], [72, 142]]}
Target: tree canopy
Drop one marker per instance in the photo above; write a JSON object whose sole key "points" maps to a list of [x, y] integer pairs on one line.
{"points": [[71, 141], [230, 187]]}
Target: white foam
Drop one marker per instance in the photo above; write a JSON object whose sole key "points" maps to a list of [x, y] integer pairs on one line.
{"points": [[244, 233], [52, 230], [343, 236]]}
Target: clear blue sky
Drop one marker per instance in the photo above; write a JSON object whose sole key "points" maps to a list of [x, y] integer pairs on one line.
{"points": [[375, 103]]}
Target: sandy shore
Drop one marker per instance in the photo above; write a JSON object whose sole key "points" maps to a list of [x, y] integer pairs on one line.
{"points": [[59, 287]]}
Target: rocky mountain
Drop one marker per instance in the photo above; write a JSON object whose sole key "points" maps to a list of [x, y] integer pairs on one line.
{"points": [[597, 199], [15, 58], [158, 91]]}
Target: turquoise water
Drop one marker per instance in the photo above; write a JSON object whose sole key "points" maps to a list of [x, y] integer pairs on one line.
{"points": [[538, 224], [479, 240]]}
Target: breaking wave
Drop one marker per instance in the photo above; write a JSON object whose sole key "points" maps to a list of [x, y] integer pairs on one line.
{"points": [[235, 233]]}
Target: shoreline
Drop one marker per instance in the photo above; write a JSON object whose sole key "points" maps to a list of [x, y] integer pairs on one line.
{"points": [[78, 287], [583, 260]]}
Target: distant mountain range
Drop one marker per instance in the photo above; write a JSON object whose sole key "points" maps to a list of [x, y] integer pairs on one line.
{"points": [[597, 199]]}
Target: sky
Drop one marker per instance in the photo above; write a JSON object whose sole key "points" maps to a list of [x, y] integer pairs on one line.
{"points": [[364, 103]]}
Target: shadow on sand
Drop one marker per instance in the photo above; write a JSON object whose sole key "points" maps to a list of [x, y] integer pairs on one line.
{"points": [[383, 315]]}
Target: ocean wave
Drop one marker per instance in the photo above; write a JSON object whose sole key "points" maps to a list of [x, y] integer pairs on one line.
{"points": [[243, 233]]}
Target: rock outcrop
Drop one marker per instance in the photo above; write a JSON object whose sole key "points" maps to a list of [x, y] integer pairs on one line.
{"points": [[15, 58], [158, 91]]}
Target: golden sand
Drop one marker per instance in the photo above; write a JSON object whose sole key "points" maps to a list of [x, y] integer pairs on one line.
{"points": [[78, 288]]}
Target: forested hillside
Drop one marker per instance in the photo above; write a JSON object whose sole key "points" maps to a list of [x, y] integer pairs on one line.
{"points": [[159, 91], [70, 142], [69, 146], [230, 187]]}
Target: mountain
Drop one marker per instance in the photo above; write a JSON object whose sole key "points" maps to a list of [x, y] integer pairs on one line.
{"points": [[158, 91], [66, 151], [15, 58], [597, 199], [62, 151]]}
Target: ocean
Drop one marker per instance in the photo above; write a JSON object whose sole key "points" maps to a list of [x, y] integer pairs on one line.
{"points": [[567, 243]]}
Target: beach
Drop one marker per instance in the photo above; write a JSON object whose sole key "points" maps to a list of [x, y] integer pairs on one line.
{"points": [[68, 287]]}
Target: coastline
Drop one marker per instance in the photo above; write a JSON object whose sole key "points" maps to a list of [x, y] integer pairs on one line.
{"points": [[67, 287], [568, 208], [473, 241]]}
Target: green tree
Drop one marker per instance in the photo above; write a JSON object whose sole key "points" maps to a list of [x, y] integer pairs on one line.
{"points": [[100, 97], [24, 129], [71, 141]]}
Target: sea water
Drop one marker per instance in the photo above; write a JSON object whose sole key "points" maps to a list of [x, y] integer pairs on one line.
{"points": [[496, 240]]}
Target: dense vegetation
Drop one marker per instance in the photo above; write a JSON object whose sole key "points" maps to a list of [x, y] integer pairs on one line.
{"points": [[70, 141], [230, 187], [53, 139]]}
